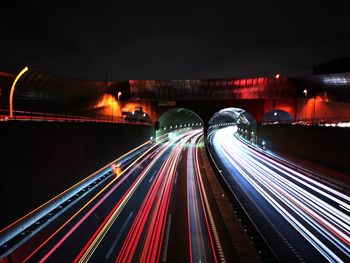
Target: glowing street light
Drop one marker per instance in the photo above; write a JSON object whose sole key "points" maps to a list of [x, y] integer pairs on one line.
{"points": [[119, 94], [305, 92], [13, 89], [277, 76]]}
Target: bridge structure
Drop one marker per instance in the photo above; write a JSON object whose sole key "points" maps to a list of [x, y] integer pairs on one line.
{"points": [[171, 164], [315, 98]]}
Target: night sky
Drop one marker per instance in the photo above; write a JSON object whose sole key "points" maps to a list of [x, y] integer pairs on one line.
{"points": [[170, 39]]}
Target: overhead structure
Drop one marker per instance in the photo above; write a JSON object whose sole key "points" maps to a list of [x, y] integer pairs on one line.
{"points": [[232, 116], [237, 117], [37, 91], [178, 118], [277, 117]]}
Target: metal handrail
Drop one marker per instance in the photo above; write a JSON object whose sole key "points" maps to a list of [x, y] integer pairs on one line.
{"points": [[59, 117]]}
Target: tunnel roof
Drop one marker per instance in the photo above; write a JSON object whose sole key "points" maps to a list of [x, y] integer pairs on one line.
{"points": [[236, 115], [178, 116]]}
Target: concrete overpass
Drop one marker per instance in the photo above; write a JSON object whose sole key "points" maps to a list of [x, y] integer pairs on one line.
{"points": [[45, 151], [311, 98]]}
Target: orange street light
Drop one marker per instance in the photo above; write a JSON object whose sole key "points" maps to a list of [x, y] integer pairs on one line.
{"points": [[13, 89]]}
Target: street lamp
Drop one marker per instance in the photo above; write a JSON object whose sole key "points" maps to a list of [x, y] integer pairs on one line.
{"points": [[305, 92], [119, 94]]}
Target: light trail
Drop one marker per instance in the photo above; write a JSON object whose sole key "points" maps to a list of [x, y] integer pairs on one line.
{"points": [[311, 207], [149, 152], [100, 233], [200, 237], [143, 190], [153, 212]]}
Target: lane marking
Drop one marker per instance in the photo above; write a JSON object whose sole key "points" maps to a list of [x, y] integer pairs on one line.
{"points": [[165, 252], [154, 173], [118, 236], [177, 172]]}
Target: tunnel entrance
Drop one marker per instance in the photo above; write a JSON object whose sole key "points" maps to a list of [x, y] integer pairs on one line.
{"points": [[138, 115], [176, 119], [244, 122], [277, 116]]}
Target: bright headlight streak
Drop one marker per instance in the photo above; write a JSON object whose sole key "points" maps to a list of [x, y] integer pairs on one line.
{"points": [[303, 196], [305, 178], [326, 219], [331, 197], [325, 223], [297, 225], [324, 227], [298, 175], [335, 216]]}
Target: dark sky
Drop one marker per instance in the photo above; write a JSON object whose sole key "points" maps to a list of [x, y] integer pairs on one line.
{"points": [[170, 39]]}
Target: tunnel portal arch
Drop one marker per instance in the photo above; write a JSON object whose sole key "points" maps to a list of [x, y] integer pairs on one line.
{"points": [[177, 118], [277, 116], [243, 120]]}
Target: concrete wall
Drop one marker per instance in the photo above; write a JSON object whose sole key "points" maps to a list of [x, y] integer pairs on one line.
{"points": [[327, 146], [39, 160], [6, 80]]}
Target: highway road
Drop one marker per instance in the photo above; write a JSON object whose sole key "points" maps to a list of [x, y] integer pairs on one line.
{"points": [[154, 210], [301, 217]]}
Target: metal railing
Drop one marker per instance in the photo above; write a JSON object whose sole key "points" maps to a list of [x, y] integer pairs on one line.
{"points": [[59, 117]]}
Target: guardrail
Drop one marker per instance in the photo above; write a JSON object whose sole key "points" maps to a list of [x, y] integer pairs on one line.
{"points": [[58, 117]]}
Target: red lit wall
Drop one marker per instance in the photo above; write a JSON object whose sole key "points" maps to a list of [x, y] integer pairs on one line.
{"points": [[6, 81], [318, 109]]}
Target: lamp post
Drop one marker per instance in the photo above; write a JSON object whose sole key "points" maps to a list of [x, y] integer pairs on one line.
{"points": [[305, 92], [119, 94]]}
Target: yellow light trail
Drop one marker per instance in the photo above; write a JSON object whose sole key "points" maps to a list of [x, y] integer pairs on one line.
{"points": [[13, 89]]}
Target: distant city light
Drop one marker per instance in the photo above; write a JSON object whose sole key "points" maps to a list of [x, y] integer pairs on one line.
{"points": [[340, 124], [275, 113], [336, 80], [277, 76]]}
